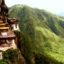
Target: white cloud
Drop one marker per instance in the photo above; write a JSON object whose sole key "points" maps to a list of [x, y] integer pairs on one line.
{"points": [[55, 6]]}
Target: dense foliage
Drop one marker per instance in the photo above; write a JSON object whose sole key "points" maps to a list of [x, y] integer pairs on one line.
{"points": [[42, 35]]}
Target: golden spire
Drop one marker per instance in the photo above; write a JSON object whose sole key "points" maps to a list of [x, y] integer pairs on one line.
{"points": [[0, 2], [3, 8]]}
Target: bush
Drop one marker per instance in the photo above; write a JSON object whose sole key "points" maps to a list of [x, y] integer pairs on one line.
{"points": [[3, 62]]}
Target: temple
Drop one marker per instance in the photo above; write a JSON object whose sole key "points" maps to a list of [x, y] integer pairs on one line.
{"points": [[13, 22], [7, 28]]}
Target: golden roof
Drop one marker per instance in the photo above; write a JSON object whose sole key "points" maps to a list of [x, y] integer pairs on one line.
{"points": [[1, 21], [4, 28], [12, 20], [2, 24]]}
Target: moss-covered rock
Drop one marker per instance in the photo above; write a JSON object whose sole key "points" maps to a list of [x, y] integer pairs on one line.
{"points": [[13, 57]]}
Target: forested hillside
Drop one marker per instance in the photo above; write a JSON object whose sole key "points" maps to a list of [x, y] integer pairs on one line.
{"points": [[42, 35]]}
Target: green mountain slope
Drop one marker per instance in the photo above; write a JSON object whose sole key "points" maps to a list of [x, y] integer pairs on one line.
{"points": [[42, 35]]}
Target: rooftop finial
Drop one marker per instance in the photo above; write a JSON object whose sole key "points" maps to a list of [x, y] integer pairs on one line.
{"points": [[3, 8], [0, 2]]}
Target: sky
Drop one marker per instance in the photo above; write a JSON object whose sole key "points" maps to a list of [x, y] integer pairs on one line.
{"points": [[54, 6]]}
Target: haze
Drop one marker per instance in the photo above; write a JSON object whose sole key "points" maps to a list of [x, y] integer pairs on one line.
{"points": [[54, 6]]}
